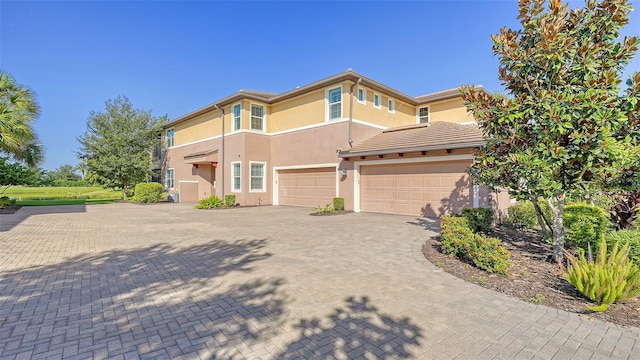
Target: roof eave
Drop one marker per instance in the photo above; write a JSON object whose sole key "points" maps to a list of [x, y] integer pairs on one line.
{"points": [[472, 144]]}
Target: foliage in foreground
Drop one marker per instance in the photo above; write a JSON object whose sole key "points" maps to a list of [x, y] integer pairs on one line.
{"points": [[564, 122], [6, 201], [148, 192], [459, 240], [624, 237], [610, 278]]}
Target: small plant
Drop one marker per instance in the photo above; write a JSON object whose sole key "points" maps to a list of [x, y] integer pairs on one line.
{"points": [[487, 254], [631, 237], [522, 216], [455, 234], [327, 209], [6, 201], [584, 224], [525, 273], [479, 219], [148, 192], [480, 280], [210, 203], [538, 299], [229, 200], [338, 203], [608, 279]]}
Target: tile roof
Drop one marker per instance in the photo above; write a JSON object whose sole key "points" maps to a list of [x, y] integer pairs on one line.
{"points": [[423, 137]]}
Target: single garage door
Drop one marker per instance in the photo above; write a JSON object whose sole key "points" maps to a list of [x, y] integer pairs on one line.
{"points": [[307, 187], [423, 189]]}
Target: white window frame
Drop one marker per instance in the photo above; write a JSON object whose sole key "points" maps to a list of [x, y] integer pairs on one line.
{"points": [[328, 104], [239, 117], [173, 137], [233, 177], [428, 114], [173, 178], [391, 106], [264, 177], [264, 117], [364, 96], [377, 96]]}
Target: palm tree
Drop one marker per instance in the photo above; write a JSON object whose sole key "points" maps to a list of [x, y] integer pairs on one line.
{"points": [[18, 110]]}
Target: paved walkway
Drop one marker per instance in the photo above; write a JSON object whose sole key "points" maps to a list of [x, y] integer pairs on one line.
{"points": [[169, 281]]}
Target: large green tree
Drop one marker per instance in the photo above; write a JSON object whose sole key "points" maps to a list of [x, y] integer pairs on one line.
{"points": [[18, 111], [564, 124], [118, 142]]}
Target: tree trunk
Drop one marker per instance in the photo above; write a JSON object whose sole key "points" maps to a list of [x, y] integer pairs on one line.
{"points": [[547, 230], [124, 191], [557, 210]]}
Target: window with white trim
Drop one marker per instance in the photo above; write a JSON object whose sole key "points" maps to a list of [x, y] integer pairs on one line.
{"points": [[170, 138], [258, 171], [169, 179], [257, 117], [423, 115], [237, 120], [334, 101], [362, 96], [236, 176], [376, 101], [391, 106]]}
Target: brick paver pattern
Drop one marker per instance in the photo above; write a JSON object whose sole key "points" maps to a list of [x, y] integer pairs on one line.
{"points": [[126, 281]]}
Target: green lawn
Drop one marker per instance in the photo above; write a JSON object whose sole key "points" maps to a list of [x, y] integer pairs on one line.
{"points": [[61, 195]]}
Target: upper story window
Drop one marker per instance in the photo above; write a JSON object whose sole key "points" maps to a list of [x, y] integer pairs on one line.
{"points": [[334, 97], [362, 96], [237, 120], [376, 101], [257, 117], [392, 106], [423, 115], [170, 137]]}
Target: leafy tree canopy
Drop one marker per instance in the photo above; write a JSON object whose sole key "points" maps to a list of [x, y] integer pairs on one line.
{"points": [[564, 123], [18, 111], [117, 145]]}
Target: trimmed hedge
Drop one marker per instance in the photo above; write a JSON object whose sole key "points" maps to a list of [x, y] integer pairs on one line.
{"points": [[523, 215], [338, 203], [479, 219], [148, 192], [584, 224], [459, 240], [229, 200]]}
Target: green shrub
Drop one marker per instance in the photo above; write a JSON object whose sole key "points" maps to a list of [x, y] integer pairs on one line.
{"points": [[584, 224], [7, 201], [631, 237], [327, 209], [608, 279], [487, 254], [479, 219], [338, 203], [210, 203], [455, 234], [229, 200], [522, 216], [148, 192]]}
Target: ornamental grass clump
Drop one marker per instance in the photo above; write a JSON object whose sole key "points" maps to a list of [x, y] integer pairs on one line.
{"points": [[610, 278]]}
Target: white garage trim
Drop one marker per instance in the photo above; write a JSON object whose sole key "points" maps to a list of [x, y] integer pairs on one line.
{"points": [[357, 164], [275, 200]]}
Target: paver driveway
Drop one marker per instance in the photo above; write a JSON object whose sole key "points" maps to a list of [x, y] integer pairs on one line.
{"points": [[169, 281]]}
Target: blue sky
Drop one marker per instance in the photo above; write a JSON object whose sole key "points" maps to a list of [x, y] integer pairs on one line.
{"points": [[173, 57]]}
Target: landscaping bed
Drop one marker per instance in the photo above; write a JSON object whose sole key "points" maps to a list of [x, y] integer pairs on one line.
{"points": [[9, 209], [534, 277]]}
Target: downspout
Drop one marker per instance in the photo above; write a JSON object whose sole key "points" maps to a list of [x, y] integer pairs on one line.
{"points": [[351, 110], [222, 148]]}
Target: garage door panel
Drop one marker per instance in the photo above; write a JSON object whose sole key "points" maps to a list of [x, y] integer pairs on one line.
{"points": [[423, 189], [306, 187]]}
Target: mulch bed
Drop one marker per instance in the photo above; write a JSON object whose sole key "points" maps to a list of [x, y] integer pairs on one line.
{"points": [[9, 209], [534, 277]]}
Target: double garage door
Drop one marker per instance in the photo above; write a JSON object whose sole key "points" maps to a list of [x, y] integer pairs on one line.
{"points": [[421, 189], [307, 187]]}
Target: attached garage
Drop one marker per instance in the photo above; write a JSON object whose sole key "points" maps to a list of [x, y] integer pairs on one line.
{"points": [[421, 189], [309, 187]]}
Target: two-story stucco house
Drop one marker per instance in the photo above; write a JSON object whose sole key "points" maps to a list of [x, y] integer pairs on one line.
{"points": [[346, 135]]}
